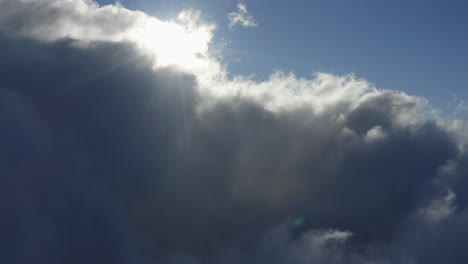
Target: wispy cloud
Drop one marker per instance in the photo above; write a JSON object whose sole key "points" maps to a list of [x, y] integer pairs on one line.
{"points": [[242, 16]]}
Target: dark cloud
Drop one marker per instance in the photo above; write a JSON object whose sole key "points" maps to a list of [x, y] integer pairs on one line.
{"points": [[102, 156], [50, 212]]}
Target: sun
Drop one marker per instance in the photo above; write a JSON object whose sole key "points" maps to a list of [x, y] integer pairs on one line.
{"points": [[183, 43]]}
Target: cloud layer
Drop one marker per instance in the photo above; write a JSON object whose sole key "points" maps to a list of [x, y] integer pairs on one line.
{"points": [[109, 156]]}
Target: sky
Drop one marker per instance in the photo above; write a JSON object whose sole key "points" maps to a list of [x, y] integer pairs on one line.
{"points": [[414, 46], [228, 132]]}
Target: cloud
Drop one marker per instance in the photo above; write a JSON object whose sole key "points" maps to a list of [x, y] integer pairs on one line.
{"points": [[50, 212], [440, 209], [461, 111], [242, 17], [280, 246], [374, 134], [185, 41], [109, 157]]}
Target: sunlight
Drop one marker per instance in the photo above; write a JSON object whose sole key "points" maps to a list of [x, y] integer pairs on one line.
{"points": [[182, 43]]}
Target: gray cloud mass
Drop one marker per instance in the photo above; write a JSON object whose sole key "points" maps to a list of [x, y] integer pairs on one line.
{"points": [[107, 159]]}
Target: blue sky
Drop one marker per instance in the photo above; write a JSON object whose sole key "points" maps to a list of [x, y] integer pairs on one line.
{"points": [[414, 46]]}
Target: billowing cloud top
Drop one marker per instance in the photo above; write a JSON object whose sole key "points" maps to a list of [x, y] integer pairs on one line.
{"points": [[125, 141], [185, 41]]}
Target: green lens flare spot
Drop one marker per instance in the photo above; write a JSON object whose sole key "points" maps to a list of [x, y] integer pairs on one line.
{"points": [[298, 222]]}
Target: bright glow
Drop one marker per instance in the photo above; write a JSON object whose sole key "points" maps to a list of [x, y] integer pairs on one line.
{"points": [[183, 43]]}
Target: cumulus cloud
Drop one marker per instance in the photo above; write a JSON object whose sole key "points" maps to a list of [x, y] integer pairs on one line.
{"points": [[185, 41], [242, 17], [112, 157]]}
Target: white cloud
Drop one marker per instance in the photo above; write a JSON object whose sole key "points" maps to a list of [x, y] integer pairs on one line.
{"points": [[183, 42], [320, 246], [375, 134], [440, 209], [186, 43], [242, 17]]}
